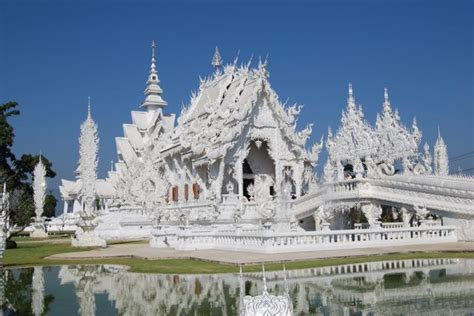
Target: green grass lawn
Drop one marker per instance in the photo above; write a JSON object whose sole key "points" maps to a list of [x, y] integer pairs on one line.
{"points": [[33, 253]]}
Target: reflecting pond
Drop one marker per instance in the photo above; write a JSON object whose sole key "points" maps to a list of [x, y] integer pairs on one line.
{"points": [[401, 287]]}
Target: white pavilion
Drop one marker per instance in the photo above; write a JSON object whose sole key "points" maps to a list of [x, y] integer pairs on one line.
{"points": [[232, 172]]}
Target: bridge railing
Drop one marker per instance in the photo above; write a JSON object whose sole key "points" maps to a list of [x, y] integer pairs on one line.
{"points": [[269, 241], [448, 196]]}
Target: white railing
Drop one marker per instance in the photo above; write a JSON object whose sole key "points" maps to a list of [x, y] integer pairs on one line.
{"points": [[394, 225], [361, 225], [449, 196], [268, 241]]}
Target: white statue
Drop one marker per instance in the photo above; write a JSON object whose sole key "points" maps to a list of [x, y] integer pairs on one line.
{"points": [[372, 212]]}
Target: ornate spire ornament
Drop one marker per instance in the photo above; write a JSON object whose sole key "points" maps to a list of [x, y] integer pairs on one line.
{"points": [[88, 107], [217, 60], [394, 140], [427, 159], [386, 101], [153, 91], [350, 99], [441, 161], [39, 189], [87, 168], [355, 138]]}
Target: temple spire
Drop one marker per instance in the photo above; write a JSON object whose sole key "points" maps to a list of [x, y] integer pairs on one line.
{"points": [[217, 59], [153, 91], [441, 160]]}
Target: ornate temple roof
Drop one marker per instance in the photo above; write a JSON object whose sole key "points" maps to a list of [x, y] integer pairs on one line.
{"points": [[226, 103]]}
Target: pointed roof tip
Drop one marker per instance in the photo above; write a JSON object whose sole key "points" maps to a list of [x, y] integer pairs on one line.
{"points": [[439, 132], [351, 92], [386, 100], [88, 107], [216, 58], [153, 46]]}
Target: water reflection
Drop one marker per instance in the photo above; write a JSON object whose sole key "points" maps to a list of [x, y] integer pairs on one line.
{"points": [[431, 287]]}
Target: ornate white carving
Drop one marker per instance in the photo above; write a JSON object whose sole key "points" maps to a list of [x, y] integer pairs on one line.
{"points": [[87, 168], [394, 140], [39, 189], [372, 212], [265, 304], [355, 138], [441, 161]]}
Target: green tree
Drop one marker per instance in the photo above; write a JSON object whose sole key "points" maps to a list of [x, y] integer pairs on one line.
{"points": [[17, 173], [50, 205]]}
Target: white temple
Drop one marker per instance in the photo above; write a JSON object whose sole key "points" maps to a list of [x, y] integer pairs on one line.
{"points": [[232, 172]]}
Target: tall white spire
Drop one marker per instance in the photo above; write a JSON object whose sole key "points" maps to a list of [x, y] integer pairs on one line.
{"points": [[441, 161], [39, 188], [153, 91], [88, 161], [217, 59]]}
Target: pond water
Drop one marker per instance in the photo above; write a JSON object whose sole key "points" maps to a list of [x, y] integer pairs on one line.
{"points": [[402, 287]]}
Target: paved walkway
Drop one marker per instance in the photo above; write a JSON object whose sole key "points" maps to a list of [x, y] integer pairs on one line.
{"points": [[237, 257]]}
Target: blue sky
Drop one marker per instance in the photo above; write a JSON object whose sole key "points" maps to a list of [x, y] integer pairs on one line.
{"points": [[53, 55]]}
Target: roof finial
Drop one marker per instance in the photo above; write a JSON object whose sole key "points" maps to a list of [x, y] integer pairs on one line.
{"points": [[439, 132], [217, 59], [351, 99], [153, 91], [153, 45], [386, 100], [88, 107], [111, 165], [153, 66]]}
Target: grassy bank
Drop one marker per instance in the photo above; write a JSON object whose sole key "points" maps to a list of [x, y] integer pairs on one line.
{"points": [[33, 253]]}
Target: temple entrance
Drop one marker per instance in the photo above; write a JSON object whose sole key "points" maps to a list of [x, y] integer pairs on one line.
{"points": [[258, 172]]}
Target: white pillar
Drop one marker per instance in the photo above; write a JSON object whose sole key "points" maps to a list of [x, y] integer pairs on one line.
{"points": [[65, 208]]}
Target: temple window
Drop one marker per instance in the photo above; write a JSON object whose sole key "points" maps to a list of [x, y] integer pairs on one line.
{"points": [[196, 191], [175, 194], [186, 192]]}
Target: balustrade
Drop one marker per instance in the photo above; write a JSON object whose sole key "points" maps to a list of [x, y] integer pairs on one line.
{"points": [[310, 241]]}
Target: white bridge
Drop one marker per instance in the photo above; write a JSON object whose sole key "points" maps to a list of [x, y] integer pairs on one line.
{"points": [[445, 196]]}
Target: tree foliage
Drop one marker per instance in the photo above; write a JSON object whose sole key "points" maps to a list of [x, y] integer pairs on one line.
{"points": [[18, 173]]}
